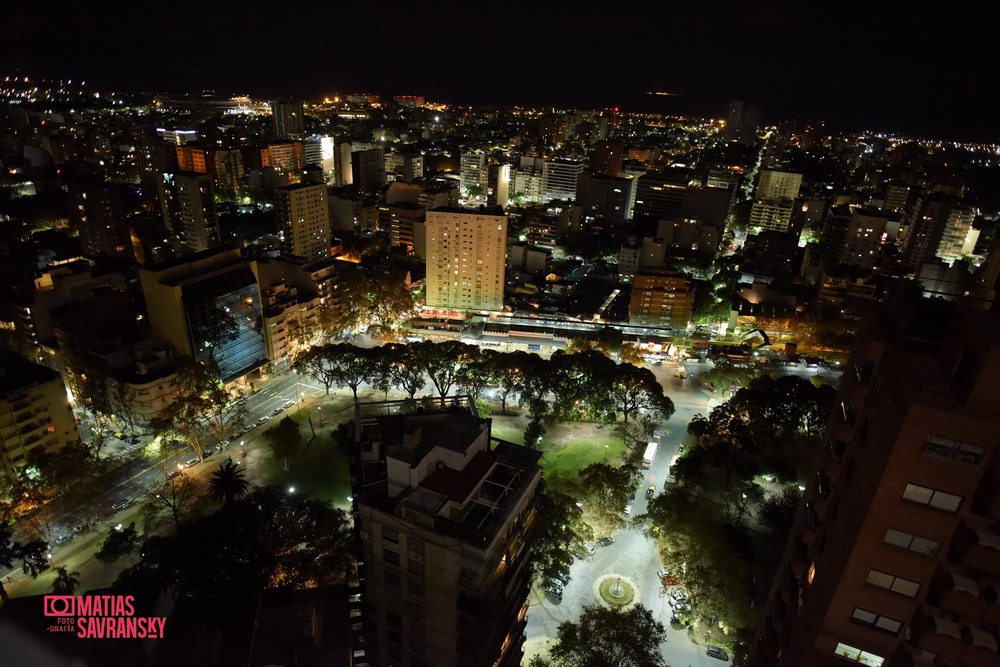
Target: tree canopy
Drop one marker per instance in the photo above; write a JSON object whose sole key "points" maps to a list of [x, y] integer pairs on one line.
{"points": [[610, 638], [269, 539]]}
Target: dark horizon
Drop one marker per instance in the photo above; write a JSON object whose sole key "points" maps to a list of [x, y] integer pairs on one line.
{"points": [[918, 72]]}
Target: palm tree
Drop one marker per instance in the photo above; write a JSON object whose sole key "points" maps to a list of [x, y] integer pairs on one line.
{"points": [[66, 582], [228, 483]]}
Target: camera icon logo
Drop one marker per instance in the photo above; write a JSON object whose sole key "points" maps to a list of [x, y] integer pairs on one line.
{"points": [[59, 605]]}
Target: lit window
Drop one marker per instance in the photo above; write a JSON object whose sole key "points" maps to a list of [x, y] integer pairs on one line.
{"points": [[894, 584], [859, 656], [919, 544], [932, 498], [876, 621]]}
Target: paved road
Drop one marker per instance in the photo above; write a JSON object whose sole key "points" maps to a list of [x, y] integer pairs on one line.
{"points": [[135, 473]]}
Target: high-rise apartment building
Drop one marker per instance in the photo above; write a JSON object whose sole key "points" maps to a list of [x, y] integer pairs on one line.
{"points": [[937, 228], [466, 253], [894, 558], [193, 158], [101, 216], [660, 194], [287, 157], [608, 157], [368, 169], [604, 197], [208, 306], [445, 515], [303, 215], [772, 214], [407, 165], [34, 411], [187, 201], [742, 123], [287, 121], [661, 297], [473, 174], [778, 184], [559, 178], [865, 235]]}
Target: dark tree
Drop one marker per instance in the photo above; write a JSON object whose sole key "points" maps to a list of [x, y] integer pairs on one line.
{"points": [[443, 362], [402, 368], [119, 544], [610, 638], [285, 439], [269, 539], [777, 511], [31, 556], [66, 582], [228, 483], [559, 532]]}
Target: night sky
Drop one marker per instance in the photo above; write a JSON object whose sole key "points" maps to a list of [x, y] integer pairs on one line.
{"points": [[915, 67]]}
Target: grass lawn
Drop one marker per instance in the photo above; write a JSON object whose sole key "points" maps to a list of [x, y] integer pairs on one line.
{"points": [[320, 469], [564, 459], [509, 428]]}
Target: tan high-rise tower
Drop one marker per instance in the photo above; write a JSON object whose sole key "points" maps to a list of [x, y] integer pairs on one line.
{"points": [[466, 252]]}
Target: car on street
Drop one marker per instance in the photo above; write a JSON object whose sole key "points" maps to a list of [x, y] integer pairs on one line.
{"points": [[249, 427], [681, 447], [208, 453], [263, 419], [605, 541], [255, 390], [716, 652], [651, 491], [628, 510], [175, 474], [289, 404], [64, 538], [278, 410], [192, 461], [121, 504]]}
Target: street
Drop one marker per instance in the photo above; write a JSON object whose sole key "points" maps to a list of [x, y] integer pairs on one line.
{"points": [[135, 473]]}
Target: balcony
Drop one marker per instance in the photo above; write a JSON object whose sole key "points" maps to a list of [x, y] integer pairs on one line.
{"points": [[958, 592], [954, 637]]}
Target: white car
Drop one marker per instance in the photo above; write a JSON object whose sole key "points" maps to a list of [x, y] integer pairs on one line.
{"points": [[263, 419]]}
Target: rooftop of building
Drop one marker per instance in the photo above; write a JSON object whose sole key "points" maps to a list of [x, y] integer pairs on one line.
{"points": [[466, 211], [17, 373], [468, 503]]}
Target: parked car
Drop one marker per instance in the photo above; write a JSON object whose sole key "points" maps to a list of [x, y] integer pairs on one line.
{"points": [[175, 473], [263, 419], [716, 652], [278, 410], [628, 510], [191, 461], [651, 491], [64, 538], [121, 504], [589, 549], [289, 404], [235, 434], [249, 427], [208, 453], [255, 390], [605, 541]]}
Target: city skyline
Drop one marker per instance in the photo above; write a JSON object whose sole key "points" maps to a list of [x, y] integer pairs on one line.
{"points": [[879, 69]]}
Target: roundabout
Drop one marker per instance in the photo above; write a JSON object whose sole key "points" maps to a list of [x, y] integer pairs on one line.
{"points": [[615, 591]]}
